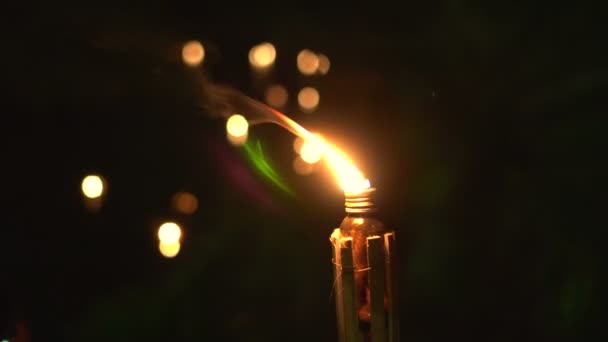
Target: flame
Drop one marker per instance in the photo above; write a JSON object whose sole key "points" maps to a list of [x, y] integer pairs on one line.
{"points": [[349, 177]]}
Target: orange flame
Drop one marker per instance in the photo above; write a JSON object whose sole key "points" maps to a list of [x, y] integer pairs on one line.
{"points": [[349, 177]]}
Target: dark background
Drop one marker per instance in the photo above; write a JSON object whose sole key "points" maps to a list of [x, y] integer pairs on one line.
{"points": [[480, 124]]}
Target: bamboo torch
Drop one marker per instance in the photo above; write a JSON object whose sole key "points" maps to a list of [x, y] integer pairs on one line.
{"points": [[363, 250], [364, 266]]}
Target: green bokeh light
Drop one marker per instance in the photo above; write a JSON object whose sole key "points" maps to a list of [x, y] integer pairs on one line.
{"points": [[255, 154]]}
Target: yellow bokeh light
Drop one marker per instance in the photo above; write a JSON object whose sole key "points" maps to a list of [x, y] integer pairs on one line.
{"points": [[237, 126], [169, 233], [324, 64], [185, 202], [237, 141], [301, 167], [193, 53], [276, 96], [92, 186], [262, 55], [312, 150], [308, 99], [308, 62], [169, 250]]}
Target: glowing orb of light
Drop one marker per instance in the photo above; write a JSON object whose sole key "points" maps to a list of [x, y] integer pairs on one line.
{"points": [[308, 99], [169, 233], [276, 96], [308, 62], [193, 53], [262, 55], [237, 126], [324, 64], [311, 151], [185, 202], [92, 186], [169, 250]]}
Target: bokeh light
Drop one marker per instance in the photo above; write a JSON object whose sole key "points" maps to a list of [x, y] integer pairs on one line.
{"points": [[262, 55], [311, 151], [169, 233], [308, 62], [302, 168], [297, 144], [324, 64], [185, 202], [276, 96], [193, 53], [308, 99], [237, 141], [169, 250], [237, 126], [92, 186]]}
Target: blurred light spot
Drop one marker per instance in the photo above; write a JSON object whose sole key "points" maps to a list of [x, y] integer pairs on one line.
{"points": [[169, 233], [358, 220], [237, 141], [193, 53], [92, 186], [301, 167], [276, 96], [297, 144], [169, 250], [262, 55], [308, 99], [324, 64], [185, 202], [237, 125], [312, 151], [308, 62]]}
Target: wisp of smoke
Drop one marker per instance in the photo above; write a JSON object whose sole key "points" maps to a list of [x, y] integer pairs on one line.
{"points": [[224, 101]]}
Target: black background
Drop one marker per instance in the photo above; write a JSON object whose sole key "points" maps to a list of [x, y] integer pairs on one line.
{"points": [[481, 125]]}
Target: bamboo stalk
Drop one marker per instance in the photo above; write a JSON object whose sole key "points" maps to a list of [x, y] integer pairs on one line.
{"points": [[377, 285], [391, 279], [351, 321], [336, 259]]}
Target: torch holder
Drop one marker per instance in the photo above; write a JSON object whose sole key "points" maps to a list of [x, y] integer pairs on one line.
{"points": [[382, 274]]}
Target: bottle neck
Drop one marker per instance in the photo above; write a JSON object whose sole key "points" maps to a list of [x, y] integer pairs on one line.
{"points": [[361, 203]]}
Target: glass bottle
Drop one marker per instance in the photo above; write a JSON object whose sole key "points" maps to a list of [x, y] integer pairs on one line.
{"points": [[360, 222]]}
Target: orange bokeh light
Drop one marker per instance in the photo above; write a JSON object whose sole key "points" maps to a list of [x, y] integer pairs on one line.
{"points": [[324, 64], [307, 62], [193, 53], [308, 99], [185, 202], [276, 96]]}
